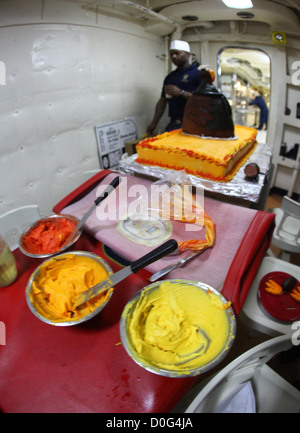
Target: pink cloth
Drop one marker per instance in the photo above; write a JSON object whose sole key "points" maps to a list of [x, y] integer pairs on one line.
{"points": [[211, 267]]}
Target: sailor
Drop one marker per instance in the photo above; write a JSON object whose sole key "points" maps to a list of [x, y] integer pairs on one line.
{"points": [[177, 87], [258, 100]]}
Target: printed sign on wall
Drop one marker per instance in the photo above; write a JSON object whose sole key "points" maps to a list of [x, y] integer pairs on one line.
{"points": [[111, 139]]}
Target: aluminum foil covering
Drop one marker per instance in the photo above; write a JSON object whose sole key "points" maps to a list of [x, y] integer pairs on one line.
{"points": [[239, 186]]}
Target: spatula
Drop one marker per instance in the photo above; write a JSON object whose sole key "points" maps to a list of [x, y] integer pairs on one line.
{"points": [[135, 266], [175, 265], [114, 183]]}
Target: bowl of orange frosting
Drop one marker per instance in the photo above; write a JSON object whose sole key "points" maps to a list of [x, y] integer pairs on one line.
{"points": [[55, 284], [48, 236], [178, 328]]}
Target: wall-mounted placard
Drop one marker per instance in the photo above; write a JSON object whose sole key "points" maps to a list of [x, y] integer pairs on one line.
{"points": [[111, 139]]}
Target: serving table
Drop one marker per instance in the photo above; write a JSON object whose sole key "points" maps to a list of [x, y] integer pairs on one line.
{"points": [[84, 368]]}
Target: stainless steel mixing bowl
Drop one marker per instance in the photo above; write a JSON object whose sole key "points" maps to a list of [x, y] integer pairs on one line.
{"points": [[39, 313], [50, 218], [183, 372]]}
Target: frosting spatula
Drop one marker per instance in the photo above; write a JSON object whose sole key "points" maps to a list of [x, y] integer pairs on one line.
{"points": [[135, 266], [114, 183]]}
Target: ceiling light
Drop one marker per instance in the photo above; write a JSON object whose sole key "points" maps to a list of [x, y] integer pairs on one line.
{"points": [[190, 18], [245, 15], [238, 4]]}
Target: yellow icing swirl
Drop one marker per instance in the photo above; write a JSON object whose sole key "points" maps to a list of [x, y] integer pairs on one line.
{"points": [[177, 326], [60, 280]]}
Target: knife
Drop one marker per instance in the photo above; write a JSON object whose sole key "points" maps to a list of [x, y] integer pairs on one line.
{"points": [[113, 184], [135, 266], [175, 265]]}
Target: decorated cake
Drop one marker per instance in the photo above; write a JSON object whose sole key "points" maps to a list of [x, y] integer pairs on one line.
{"points": [[218, 160], [209, 145]]}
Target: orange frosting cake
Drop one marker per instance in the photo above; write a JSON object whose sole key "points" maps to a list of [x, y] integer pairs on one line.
{"points": [[215, 159]]}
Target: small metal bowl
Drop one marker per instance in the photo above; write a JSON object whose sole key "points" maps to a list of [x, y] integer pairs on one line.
{"points": [[38, 312], [184, 371], [36, 224]]}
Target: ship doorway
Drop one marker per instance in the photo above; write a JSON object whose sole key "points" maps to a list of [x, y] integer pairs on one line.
{"points": [[243, 74]]}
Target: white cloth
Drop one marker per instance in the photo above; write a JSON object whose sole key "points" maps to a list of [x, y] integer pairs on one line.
{"points": [[241, 400]]}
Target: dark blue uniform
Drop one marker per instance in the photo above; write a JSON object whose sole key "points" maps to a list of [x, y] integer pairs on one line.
{"points": [[186, 79], [260, 103]]}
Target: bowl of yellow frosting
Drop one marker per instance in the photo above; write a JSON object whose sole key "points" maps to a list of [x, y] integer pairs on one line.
{"points": [[178, 328], [53, 287]]}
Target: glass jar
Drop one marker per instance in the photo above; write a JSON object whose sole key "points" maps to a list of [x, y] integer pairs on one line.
{"points": [[8, 266]]}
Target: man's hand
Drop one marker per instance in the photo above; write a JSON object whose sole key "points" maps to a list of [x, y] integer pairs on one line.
{"points": [[159, 111], [150, 129], [172, 90]]}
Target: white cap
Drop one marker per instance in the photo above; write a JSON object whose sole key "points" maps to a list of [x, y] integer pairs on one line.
{"points": [[206, 67], [180, 46]]}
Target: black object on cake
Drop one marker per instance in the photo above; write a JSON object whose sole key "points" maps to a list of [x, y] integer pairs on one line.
{"points": [[207, 111]]}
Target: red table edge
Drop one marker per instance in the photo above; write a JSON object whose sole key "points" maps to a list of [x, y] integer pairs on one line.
{"points": [[81, 191], [248, 258]]}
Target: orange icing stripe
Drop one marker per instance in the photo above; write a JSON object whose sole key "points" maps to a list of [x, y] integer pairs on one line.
{"points": [[199, 173], [177, 151]]}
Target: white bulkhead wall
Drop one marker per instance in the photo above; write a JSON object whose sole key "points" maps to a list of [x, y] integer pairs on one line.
{"points": [[67, 70]]}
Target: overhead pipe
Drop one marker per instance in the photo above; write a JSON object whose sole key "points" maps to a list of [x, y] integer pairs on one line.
{"points": [[205, 24], [143, 9]]}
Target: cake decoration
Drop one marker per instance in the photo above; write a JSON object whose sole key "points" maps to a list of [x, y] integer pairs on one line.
{"points": [[207, 112]]}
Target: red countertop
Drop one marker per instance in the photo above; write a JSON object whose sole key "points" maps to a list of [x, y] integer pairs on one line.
{"points": [[84, 368], [81, 368]]}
